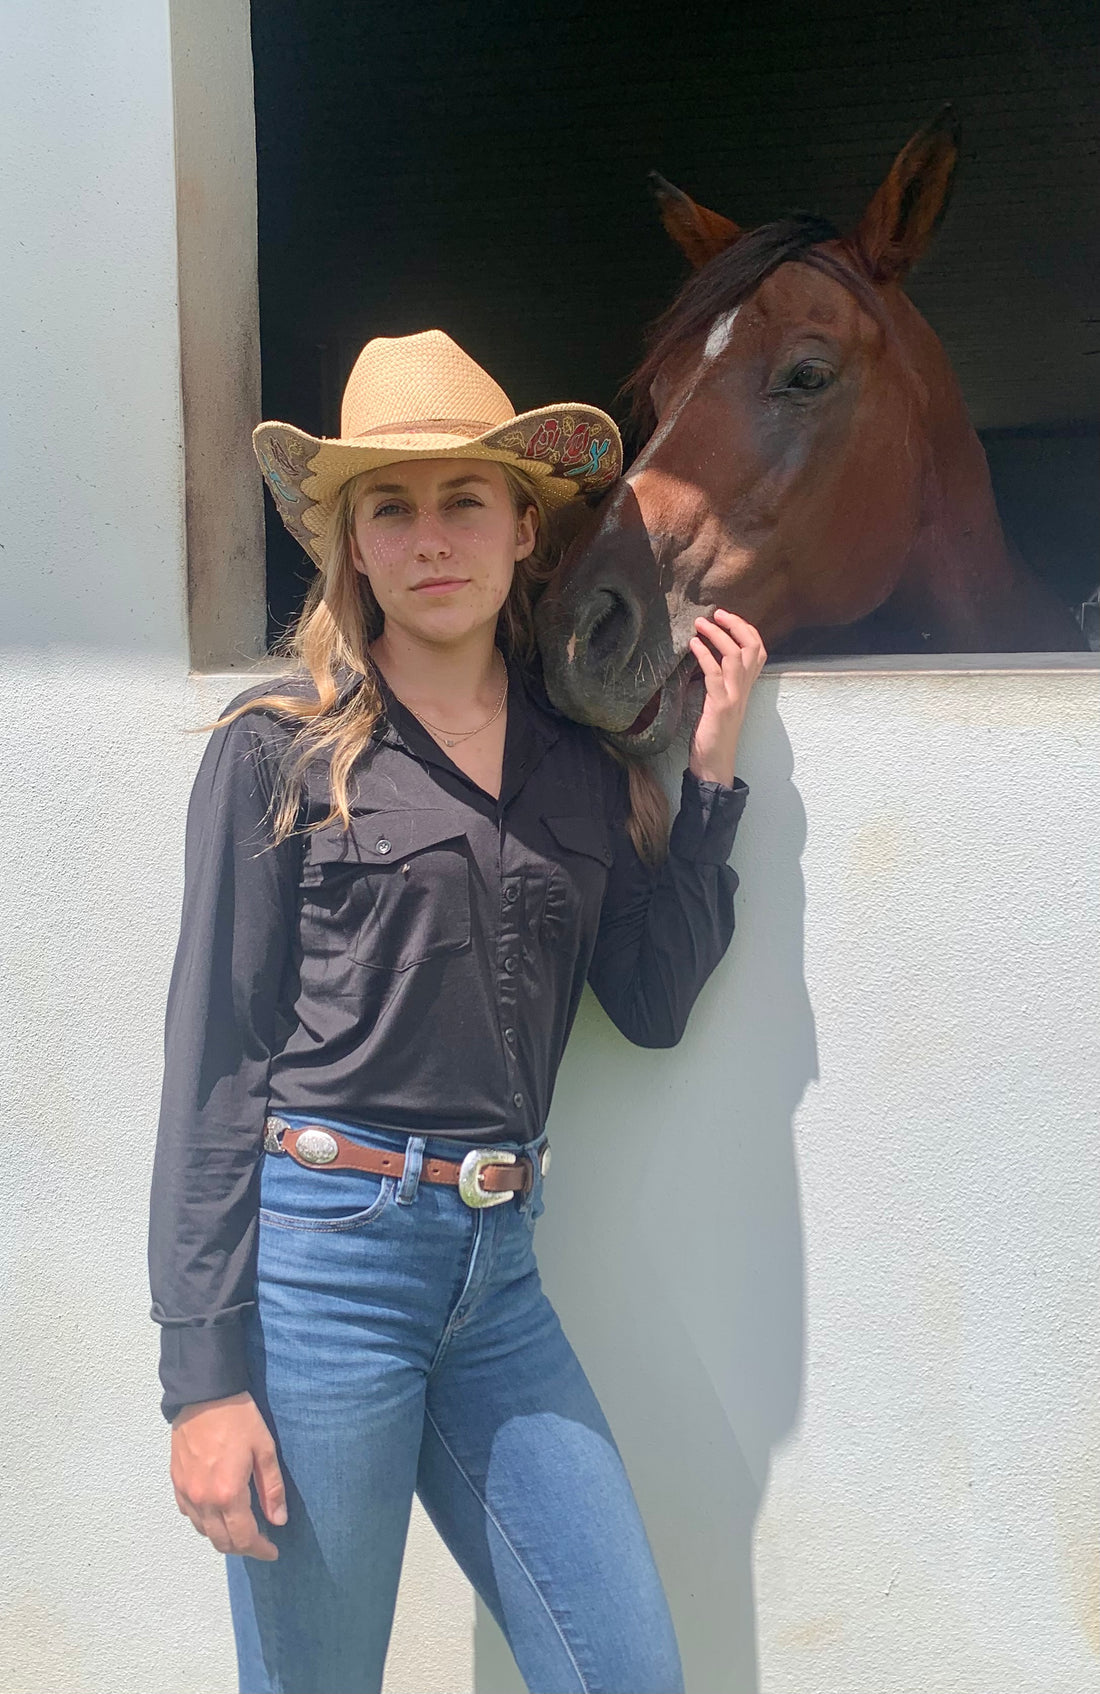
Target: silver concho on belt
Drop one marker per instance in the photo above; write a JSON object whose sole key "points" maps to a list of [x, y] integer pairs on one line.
{"points": [[316, 1147], [274, 1130]]}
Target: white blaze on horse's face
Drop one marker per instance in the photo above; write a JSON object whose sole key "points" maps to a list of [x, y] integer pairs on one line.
{"points": [[718, 339]]}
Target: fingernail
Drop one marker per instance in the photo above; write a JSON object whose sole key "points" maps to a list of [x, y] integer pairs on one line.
{"points": [[279, 1515]]}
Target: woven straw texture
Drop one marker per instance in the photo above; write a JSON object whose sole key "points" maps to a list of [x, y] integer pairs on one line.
{"points": [[419, 377], [422, 397]]}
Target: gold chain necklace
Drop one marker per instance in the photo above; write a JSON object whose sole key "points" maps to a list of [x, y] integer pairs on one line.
{"points": [[451, 738]]}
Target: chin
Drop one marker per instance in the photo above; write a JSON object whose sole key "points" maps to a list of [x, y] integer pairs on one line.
{"points": [[673, 709]]}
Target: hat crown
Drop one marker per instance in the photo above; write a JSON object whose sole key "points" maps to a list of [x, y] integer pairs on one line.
{"points": [[417, 379]]}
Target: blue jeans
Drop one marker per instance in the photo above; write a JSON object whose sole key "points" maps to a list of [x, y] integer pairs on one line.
{"points": [[401, 1342]]}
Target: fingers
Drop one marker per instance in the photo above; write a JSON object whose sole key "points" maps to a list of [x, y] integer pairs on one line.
{"points": [[231, 1528], [235, 1530], [736, 643], [189, 1511], [218, 1447], [229, 1525], [745, 650], [708, 664], [744, 633], [718, 637], [269, 1484]]}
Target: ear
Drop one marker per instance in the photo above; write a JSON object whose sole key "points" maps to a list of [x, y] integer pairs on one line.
{"points": [[698, 233], [527, 533], [906, 212]]}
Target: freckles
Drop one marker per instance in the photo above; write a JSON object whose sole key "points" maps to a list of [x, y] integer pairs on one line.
{"points": [[382, 552]]}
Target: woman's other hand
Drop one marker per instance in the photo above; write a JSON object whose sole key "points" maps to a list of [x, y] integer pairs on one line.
{"points": [[218, 1447], [731, 656]]}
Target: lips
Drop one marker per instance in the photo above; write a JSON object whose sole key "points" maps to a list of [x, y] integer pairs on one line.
{"points": [[646, 715], [439, 585], [656, 725]]}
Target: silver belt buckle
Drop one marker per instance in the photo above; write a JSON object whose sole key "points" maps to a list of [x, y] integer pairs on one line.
{"points": [[274, 1130], [469, 1177]]}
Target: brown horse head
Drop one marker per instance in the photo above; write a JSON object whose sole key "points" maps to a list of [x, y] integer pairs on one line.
{"points": [[810, 466]]}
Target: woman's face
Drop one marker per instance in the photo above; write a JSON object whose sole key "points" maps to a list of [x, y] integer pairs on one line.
{"points": [[437, 539]]}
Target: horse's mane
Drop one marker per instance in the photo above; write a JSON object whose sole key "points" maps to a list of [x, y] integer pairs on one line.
{"points": [[728, 279]]}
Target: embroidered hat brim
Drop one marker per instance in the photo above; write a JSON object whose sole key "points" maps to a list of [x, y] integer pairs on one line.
{"points": [[387, 416]]}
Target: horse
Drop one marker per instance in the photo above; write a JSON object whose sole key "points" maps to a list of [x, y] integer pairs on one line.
{"points": [[811, 466]]}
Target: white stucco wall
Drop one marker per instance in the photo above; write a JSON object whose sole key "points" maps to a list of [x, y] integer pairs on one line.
{"points": [[831, 1264], [849, 1273], [102, 1584]]}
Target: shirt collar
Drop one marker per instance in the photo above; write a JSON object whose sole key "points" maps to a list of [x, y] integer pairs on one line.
{"points": [[532, 725]]}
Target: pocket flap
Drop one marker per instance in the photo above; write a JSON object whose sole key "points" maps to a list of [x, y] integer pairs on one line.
{"points": [[582, 835], [383, 838]]}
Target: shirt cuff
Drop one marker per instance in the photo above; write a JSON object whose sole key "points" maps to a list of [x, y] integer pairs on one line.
{"points": [[707, 820], [201, 1362]]}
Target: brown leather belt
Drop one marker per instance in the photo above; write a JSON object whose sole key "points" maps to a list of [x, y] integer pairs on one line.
{"points": [[485, 1177]]}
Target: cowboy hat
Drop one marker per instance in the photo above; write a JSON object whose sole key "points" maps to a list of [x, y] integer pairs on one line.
{"points": [[422, 397]]}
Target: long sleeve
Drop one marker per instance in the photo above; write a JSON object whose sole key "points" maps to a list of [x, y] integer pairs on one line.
{"points": [[239, 907], [663, 931]]}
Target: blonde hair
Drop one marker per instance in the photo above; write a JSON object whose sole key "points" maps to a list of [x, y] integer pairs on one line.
{"points": [[333, 634]]}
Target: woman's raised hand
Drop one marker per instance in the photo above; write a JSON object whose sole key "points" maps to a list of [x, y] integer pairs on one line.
{"points": [[731, 656], [218, 1447]]}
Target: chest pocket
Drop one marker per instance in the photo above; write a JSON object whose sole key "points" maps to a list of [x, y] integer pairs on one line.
{"points": [[578, 873], [391, 892]]}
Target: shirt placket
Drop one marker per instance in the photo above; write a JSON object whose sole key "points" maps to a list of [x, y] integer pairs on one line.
{"points": [[510, 972]]}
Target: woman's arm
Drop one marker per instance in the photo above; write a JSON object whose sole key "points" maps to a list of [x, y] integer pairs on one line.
{"points": [[662, 932], [239, 911]]}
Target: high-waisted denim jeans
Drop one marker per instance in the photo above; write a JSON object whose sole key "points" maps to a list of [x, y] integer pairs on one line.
{"points": [[402, 1342]]}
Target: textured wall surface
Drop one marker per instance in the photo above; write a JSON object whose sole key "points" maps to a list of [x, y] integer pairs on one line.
{"points": [[102, 1584], [831, 1264]]}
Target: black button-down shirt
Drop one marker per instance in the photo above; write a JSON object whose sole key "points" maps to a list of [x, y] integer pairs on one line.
{"points": [[420, 972]]}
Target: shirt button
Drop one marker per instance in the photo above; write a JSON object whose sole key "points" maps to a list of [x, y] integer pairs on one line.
{"points": [[510, 1037], [510, 963], [517, 1100], [383, 846], [511, 893]]}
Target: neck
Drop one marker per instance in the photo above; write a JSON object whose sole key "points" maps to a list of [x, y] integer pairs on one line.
{"points": [[444, 680], [958, 575], [962, 589]]}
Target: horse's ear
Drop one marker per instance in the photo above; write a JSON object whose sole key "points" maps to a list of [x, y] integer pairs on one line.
{"points": [[906, 212], [698, 233]]}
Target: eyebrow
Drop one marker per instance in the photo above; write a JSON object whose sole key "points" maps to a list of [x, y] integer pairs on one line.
{"points": [[402, 488]]}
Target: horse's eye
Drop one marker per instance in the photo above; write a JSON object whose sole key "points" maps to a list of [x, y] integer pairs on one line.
{"points": [[810, 375]]}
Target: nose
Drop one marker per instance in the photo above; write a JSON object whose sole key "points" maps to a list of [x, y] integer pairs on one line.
{"points": [[590, 633], [429, 537], [607, 624]]}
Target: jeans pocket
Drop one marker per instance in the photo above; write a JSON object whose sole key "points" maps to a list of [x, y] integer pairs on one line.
{"points": [[327, 1202]]}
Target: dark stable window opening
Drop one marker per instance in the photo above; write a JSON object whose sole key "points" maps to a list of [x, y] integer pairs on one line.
{"points": [[483, 169]]}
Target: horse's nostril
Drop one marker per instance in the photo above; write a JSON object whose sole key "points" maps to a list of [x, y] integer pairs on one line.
{"points": [[607, 626]]}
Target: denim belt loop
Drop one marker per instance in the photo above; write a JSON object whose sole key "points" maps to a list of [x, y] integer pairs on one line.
{"points": [[410, 1180], [531, 1202]]}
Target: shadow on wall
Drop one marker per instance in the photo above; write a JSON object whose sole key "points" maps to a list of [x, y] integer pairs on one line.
{"points": [[672, 1242]]}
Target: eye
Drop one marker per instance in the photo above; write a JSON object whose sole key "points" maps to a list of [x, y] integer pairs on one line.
{"points": [[468, 500], [387, 508], [810, 376]]}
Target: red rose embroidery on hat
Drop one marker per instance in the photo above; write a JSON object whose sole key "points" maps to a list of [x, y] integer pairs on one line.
{"points": [[575, 450], [544, 440]]}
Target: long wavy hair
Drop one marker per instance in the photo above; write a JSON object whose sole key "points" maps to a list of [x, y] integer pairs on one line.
{"points": [[332, 637]]}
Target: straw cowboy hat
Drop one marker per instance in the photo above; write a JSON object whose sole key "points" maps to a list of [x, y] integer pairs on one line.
{"points": [[422, 397]]}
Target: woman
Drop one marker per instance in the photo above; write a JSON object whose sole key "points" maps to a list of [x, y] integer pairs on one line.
{"points": [[400, 869]]}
